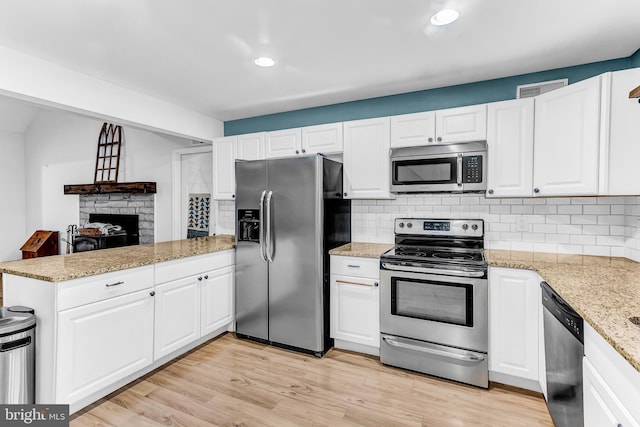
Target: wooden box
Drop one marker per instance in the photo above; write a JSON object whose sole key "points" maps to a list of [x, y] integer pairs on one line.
{"points": [[41, 243]]}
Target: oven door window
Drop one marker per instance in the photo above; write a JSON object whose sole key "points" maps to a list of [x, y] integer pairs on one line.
{"points": [[425, 171], [430, 300]]}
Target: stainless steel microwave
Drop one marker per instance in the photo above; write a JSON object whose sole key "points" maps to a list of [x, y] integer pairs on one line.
{"points": [[454, 168]]}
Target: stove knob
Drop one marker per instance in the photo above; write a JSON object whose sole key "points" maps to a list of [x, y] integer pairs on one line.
{"points": [[465, 226], [409, 225], [401, 224], [474, 227]]}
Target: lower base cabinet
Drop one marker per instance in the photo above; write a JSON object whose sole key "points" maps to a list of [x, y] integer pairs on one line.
{"points": [[103, 342], [216, 300], [355, 304]]}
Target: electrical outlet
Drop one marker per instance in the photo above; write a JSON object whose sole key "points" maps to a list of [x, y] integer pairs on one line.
{"points": [[522, 224]]}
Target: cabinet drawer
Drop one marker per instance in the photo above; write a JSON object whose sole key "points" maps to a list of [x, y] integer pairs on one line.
{"points": [[104, 286], [355, 266], [184, 267]]}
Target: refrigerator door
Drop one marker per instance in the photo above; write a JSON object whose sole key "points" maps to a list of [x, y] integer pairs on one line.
{"points": [[252, 287], [296, 275]]}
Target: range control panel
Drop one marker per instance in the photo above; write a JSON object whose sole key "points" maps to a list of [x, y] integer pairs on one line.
{"points": [[439, 227]]}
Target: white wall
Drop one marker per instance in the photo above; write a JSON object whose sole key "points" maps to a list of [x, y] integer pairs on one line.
{"points": [[60, 148], [12, 195]]}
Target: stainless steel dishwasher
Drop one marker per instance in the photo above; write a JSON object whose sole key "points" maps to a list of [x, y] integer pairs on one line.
{"points": [[564, 349]]}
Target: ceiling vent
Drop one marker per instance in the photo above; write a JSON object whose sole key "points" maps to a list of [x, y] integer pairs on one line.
{"points": [[535, 89]]}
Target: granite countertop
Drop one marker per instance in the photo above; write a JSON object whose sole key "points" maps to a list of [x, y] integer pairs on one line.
{"points": [[604, 291], [361, 249], [73, 266]]}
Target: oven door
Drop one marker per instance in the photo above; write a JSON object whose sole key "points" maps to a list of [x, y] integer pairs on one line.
{"points": [[447, 310]]}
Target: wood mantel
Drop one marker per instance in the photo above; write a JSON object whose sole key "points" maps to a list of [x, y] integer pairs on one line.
{"points": [[105, 188]]}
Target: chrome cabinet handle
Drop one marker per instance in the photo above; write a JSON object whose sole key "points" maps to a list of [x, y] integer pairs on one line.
{"points": [[108, 285], [261, 237], [270, 248], [353, 266], [356, 283]]}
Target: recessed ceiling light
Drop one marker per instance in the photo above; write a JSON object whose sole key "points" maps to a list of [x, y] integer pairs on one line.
{"points": [[444, 17], [264, 61]]}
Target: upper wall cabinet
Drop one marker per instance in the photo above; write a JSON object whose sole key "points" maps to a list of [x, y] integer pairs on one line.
{"points": [[510, 148], [620, 140], [366, 159], [448, 126], [325, 139], [224, 158], [250, 146], [567, 123], [283, 143]]}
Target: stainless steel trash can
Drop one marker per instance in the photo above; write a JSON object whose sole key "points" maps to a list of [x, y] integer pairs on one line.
{"points": [[17, 355]]}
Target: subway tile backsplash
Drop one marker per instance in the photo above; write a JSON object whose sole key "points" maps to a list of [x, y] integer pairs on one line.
{"points": [[608, 226]]}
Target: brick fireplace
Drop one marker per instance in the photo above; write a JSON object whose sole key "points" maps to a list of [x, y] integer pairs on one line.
{"points": [[122, 203]]}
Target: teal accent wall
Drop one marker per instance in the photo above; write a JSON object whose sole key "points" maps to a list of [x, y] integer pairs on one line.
{"points": [[425, 100]]}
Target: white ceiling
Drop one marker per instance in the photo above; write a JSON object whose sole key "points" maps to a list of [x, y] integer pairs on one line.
{"points": [[199, 53]]}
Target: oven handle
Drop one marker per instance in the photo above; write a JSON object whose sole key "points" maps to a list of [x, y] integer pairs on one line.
{"points": [[461, 273], [469, 357]]}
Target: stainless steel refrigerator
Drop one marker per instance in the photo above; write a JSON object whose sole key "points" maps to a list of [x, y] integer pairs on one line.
{"points": [[289, 214]]}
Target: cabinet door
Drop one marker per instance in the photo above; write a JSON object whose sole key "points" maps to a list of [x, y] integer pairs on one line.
{"points": [[217, 300], [250, 146], [177, 315], [463, 124], [355, 310], [601, 406], [620, 148], [566, 140], [367, 168], [510, 148], [283, 143], [513, 322], [325, 139], [224, 178], [101, 343], [410, 130]]}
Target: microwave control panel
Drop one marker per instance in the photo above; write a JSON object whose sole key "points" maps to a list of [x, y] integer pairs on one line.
{"points": [[472, 169]]}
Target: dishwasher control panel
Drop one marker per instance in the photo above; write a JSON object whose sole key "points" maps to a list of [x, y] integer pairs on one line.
{"points": [[562, 311]]}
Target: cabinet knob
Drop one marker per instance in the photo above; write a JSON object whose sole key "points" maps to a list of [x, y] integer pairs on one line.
{"points": [[536, 190], [345, 194], [200, 279], [304, 151], [297, 152], [206, 276], [490, 191], [375, 284], [430, 139], [152, 293], [439, 139], [233, 196]]}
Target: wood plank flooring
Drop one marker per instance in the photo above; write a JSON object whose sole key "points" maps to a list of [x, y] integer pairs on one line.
{"points": [[231, 382]]}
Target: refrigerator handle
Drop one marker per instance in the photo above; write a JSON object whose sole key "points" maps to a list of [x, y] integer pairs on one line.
{"points": [[261, 235], [269, 231]]}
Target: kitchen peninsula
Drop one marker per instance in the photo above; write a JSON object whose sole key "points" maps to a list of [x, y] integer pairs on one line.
{"points": [[104, 318]]}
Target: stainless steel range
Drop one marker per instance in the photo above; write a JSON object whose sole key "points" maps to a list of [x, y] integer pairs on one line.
{"points": [[434, 299]]}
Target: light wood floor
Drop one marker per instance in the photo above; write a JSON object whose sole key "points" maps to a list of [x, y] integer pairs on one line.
{"points": [[231, 382]]}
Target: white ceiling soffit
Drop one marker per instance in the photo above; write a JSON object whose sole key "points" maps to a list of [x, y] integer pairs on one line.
{"points": [[199, 54], [16, 116]]}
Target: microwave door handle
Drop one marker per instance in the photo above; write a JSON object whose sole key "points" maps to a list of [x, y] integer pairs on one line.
{"points": [[459, 170], [261, 234]]}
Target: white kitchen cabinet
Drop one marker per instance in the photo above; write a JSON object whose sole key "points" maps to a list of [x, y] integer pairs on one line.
{"points": [[250, 146], [462, 124], [101, 343], [620, 149], [283, 143], [611, 385], [224, 158], [510, 148], [514, 300], [566, 140], [177, 315], [410, 130], [452, 125], [325, 139], [355, 304], [367, 168], [216, 300]]}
